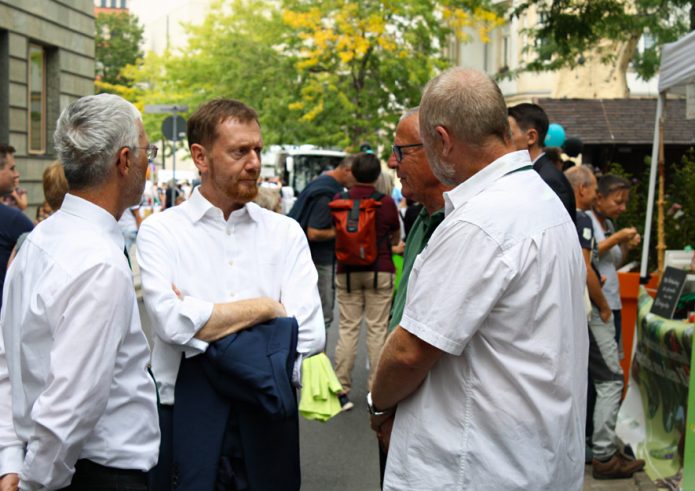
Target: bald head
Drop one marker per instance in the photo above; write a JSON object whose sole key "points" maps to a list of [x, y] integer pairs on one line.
{"points": [[460, 108], [467, 102]]}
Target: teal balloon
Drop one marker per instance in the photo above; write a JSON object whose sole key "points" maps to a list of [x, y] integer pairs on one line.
{"points": [[555, 136]]}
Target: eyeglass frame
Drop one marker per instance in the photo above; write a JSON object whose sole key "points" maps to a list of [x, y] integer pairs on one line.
{"points": [[151, 148], [397, 150]]}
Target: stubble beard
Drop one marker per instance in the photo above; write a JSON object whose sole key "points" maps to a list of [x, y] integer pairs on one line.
{"points": [[137, 186], [442, 171]]}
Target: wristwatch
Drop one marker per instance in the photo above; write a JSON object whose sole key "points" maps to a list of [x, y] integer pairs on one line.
{"points": [[374, 411]]}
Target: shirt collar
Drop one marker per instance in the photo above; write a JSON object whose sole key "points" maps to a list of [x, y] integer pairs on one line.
{"points": [[538, 157], [197, 206], [477, 183], [94, 214]]}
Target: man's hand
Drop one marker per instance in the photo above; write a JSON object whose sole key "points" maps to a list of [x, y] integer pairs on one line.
{"points": [[9, 482], [383, 425], [605, 313], [398, 248], [274, 308]]}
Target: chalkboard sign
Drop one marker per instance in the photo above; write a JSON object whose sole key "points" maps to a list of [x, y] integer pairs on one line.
{"points": [[669, 292]]}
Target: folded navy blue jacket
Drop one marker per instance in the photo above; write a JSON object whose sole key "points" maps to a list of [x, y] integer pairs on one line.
{"points": [[235, 418]]}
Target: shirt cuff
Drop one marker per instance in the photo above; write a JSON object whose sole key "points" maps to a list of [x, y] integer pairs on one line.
{"points": [[297, 371], [198, 312], [11, 459]]}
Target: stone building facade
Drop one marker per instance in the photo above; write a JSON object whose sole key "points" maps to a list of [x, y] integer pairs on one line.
{"points": [[46, 62]]}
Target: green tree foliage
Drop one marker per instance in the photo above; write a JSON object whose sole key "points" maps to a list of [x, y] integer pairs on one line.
{"points": [[362, 63], [327, 73], [570, 29], [118, 39]]}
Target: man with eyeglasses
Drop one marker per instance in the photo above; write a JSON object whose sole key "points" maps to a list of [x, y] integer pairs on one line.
{"points": [[215, 265], [77, 404], [418, 184]]}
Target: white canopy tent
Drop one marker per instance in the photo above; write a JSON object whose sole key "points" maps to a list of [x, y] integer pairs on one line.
{"points": [[677, 71]]}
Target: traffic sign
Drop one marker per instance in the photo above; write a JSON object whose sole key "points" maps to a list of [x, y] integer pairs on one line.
{"points": [[173, 127], [165, 108]]}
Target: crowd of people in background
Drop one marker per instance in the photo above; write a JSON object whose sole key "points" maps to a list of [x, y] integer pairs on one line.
{"points": [[491, 299]]}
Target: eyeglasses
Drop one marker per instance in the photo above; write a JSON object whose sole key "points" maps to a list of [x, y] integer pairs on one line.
{"points": [[151, 151], [398, 150]]}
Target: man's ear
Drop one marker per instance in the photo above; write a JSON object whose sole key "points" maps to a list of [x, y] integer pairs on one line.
{"points": [[532, 138], [124, 160], [198, 155], [444, 139]]}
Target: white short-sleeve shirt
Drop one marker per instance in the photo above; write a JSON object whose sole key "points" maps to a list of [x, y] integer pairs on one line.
{"points": [[499, 288]]}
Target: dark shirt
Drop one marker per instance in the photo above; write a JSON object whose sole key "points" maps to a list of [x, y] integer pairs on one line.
{"points": [[418, 237], [13, 223], [311, 210], [558, 182], [386, 223], [587, 239]]}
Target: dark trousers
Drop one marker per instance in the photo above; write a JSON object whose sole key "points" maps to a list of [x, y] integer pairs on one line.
{"points": [[90, 476], [161, 477]]}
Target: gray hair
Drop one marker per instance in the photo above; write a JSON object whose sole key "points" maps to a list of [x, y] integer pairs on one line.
{"points": [[579, 175], [89, 134], [468, 103], [409, 112]]}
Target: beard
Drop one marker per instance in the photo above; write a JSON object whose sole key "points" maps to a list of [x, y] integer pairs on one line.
{"points": [[442, 171], [242, 192], [137, 185], [239, 189]]}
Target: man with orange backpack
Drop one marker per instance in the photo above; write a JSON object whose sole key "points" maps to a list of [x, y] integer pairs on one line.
{"points": [[366, 225]]}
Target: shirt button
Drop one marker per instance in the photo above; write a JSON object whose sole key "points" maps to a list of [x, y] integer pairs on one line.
{"points": [[231, 263], [231, 294], [228, 232]]}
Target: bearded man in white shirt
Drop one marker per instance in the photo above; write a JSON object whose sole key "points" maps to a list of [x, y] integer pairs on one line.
{"points": [[74, 355], [232, 264], [486, 372]]}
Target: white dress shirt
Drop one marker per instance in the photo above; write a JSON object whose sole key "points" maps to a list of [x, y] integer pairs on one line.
{"points": [[499, 288], [254, 253], [75, 352]]}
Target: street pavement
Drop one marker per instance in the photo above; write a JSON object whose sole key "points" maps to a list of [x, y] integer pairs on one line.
{"points": [[341, 454]]}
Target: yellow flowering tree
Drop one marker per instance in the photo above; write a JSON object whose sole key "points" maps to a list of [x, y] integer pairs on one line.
{"points": [[362, 63]]}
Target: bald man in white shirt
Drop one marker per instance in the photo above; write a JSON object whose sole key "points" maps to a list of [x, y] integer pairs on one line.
{"points": [[486, 372], [233, 263], [83, 405]]}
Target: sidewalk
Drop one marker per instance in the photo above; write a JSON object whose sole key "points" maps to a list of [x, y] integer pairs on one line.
{"points": [[640, 482]]}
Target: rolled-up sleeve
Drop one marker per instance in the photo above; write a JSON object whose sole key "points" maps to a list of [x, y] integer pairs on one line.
{"points": [[300, 294], [175, 321]]}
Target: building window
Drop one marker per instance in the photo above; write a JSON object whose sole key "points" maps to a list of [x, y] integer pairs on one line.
{"points": [[123, 4], [37, 99]]}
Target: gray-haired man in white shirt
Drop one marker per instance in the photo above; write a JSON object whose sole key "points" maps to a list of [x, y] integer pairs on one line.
{"points": [[74, 354], [233, 264], [488, 366]]}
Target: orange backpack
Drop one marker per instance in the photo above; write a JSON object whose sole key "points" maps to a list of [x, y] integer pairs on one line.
{"points": [[355, 229]]}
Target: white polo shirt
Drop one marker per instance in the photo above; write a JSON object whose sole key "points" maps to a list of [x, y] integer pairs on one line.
{"points": [[499, 288], [254, 253]]}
